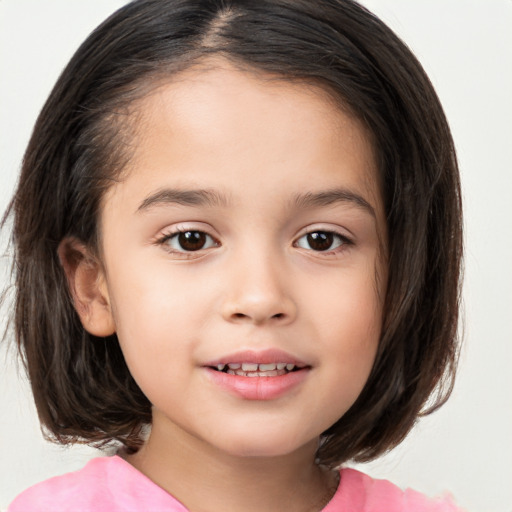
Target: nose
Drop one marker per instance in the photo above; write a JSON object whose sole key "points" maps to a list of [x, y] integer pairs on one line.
{"points": [[259, 292]]}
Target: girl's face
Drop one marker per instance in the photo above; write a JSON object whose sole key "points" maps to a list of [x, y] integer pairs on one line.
{"points": [[249, 230]]}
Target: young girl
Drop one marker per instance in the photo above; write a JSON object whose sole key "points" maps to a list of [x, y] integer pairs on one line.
{"points": [[237, 239]]}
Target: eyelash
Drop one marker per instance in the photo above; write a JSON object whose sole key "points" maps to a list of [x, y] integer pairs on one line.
{"points": [[165, 238], [343, 241]]}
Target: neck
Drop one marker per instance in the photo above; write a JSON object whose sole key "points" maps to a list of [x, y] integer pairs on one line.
{"points": [[205, 479]]}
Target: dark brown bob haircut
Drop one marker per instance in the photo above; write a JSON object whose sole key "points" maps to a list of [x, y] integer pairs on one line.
{"points": [[81, 384]]}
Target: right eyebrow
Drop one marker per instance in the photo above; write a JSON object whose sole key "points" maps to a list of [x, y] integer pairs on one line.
{"points": [[333, 196], [199, 197]]}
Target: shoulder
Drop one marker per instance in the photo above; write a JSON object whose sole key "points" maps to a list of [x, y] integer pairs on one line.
{"points": [[358, 491], [104, 484], [79, 490]]}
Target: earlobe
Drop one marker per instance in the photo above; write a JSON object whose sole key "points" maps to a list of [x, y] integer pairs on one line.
{"points": [[87, 286]]}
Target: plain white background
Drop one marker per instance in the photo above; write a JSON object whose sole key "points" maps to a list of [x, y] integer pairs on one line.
{"points": [[466, 47]]}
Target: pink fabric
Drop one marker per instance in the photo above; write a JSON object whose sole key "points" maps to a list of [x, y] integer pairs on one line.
{"points": [[110, 484], [358, 492], [105, 484]]}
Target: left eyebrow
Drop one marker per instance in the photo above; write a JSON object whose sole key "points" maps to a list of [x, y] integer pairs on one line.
{"points": [[330, 197], [199, 197]]}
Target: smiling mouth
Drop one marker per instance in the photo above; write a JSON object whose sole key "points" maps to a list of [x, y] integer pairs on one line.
{"points": [[258, 369]]}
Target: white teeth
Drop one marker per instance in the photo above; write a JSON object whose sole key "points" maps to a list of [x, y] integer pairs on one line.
{"points": [[256, 370], [249, 367], [241, 373], [274, 373]]}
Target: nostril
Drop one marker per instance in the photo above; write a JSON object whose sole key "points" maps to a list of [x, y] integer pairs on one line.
{"points": [[242, 316], [257, 313]]}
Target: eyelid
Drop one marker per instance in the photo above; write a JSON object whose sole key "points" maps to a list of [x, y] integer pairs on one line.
{"points": [[183, 227], [347, 240], [327, 228], [172, 231], [168, 233]]}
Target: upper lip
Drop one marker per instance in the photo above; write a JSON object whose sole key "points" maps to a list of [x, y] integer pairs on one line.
{"points": [[257, 356]]}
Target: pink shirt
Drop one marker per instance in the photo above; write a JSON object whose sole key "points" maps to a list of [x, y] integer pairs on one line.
{"points": [[110, 484]]}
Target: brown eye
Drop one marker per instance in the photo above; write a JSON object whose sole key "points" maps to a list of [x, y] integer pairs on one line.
{"points": [[192, 240], [189, 241], [321, 241]]}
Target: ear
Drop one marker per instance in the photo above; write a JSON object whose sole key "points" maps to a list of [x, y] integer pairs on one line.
{"points": [[88, 287]]}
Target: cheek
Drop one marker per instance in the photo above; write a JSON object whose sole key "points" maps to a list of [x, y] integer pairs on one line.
{"points": [[153, 293], [161, 309], [346, 321], [346, 300], [155, 312]]}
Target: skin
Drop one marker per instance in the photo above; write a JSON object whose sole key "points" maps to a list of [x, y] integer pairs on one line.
{"points": [[258, 283]]}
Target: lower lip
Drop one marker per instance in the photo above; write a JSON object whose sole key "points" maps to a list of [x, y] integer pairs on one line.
{"points": [[258, 388]]}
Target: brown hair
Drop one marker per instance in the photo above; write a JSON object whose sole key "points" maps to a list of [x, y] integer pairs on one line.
{"points": [[82, 387]]}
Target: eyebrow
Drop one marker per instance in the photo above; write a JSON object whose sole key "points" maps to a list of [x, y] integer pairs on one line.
{"points": [[209, 197], [331, 197], [202, 197]]}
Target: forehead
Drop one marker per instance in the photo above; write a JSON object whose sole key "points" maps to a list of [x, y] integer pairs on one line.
{"points": [[215, 124]]}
